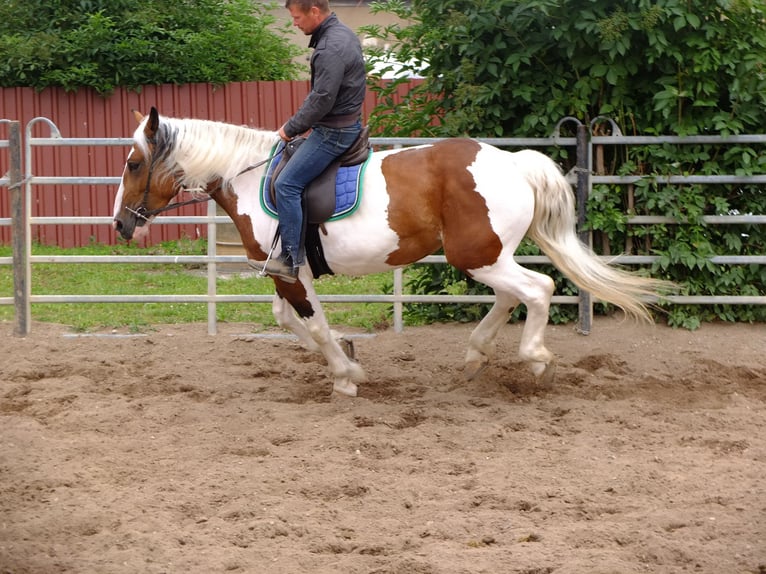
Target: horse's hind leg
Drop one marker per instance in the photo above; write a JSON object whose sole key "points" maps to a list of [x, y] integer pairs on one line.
{"points": [[532, 346], [511, 285], [481, 344]]}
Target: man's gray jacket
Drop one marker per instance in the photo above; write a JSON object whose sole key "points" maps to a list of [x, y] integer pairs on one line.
{"points": [[338, 80]]}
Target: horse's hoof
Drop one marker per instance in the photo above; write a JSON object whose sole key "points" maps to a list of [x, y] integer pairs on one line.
{"points": [[356, 372], [345, 387], [545, 373], [473, 369]]}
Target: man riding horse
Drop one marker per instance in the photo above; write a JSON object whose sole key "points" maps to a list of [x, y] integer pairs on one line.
{"points": [[332, 112]]}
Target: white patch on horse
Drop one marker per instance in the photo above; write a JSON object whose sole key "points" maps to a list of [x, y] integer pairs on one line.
{"points": [[498, 176], [344, 252]]}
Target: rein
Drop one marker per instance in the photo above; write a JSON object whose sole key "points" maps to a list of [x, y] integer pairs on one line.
{"points": [[143, 213]]}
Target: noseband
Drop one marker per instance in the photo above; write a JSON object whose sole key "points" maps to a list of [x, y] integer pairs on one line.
{"points": [[144, 213]]}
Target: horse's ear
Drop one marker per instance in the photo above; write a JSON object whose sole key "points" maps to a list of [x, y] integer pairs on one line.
{"points": [[152, 124], [138, 115]]}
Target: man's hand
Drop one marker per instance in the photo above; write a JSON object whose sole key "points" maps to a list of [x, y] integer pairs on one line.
{"points": [[283, 135]]}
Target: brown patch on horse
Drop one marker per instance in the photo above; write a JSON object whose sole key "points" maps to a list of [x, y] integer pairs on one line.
{"points": [[296, 295], [135, 181], [138, 170], [228, 202], [450, 212]]}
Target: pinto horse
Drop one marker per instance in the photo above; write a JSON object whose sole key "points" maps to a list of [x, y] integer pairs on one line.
{"points": [[475, 201]]}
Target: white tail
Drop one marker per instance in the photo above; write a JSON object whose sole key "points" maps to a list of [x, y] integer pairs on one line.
{"points": [[553, 230]]}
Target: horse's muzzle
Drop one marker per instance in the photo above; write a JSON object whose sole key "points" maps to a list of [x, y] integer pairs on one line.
{"points": [[126, 225]]}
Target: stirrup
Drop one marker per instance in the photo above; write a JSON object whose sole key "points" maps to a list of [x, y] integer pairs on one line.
{"points": [[275, 268]]}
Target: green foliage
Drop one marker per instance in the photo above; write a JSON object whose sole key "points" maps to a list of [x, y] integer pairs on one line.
{"points": [[440, 279], [103, 44], [680, 67], [685, 250], [500, 67]]}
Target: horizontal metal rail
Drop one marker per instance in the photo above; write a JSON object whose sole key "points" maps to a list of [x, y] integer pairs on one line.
{"points": [[431, 259], [191, 298], [678, 179], [619, 139], [219, 219]]}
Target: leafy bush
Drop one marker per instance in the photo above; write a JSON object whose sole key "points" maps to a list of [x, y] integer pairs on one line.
{"points": [[103, 44]]}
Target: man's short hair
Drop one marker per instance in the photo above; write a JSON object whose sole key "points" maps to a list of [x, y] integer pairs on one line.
{"points": [[306, 5]]}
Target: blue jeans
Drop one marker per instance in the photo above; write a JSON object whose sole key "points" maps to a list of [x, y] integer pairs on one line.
{"points": [[313, 156]]}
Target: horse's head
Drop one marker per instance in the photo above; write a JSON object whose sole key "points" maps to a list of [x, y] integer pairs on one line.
{"points": [[147, 184]]}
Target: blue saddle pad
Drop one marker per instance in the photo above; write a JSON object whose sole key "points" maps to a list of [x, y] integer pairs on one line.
{"points": [[348, 186]]}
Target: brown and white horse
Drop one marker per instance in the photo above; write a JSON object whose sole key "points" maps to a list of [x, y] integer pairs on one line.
{"points": [[473, 200]]}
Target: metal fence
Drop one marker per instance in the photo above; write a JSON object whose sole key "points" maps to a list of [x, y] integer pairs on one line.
{"points": [[20, 183]]}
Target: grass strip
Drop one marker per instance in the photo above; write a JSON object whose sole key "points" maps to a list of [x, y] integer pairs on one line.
{"points": [[169, 279]]}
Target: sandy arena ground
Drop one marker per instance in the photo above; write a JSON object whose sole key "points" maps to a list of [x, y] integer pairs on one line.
{"points": [[178, 452]]}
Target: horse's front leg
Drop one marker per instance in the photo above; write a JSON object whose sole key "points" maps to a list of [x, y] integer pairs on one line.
{"points": [[346, 372], [296, 307], [287, 319]]}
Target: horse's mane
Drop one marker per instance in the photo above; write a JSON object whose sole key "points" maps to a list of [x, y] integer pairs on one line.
{"points": [[197, 152]]}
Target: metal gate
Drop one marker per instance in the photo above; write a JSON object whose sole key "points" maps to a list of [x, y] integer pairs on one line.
{"points": [[20, 183]]}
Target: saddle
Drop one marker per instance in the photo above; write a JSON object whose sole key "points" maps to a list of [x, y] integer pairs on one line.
{"points": [[319, 195]]}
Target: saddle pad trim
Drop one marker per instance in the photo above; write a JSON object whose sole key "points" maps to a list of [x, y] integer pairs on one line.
{"points": [[270, 210], [275, 157]]}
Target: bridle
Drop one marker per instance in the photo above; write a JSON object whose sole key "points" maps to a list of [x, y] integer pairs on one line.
{"points": [[144, 213]]}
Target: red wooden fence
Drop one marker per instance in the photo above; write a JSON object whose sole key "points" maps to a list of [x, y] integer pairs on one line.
{"points": [[85, 114]]}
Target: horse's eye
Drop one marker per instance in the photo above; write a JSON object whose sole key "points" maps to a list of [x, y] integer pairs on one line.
{"points": [[134, 165]]}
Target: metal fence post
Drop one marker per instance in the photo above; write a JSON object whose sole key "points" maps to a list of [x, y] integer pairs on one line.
{"points": [[19, 230], [212, 269], [585, 305]]}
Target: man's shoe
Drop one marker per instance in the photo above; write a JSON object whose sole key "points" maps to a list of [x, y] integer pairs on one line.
{"points": [[275, 268]]}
